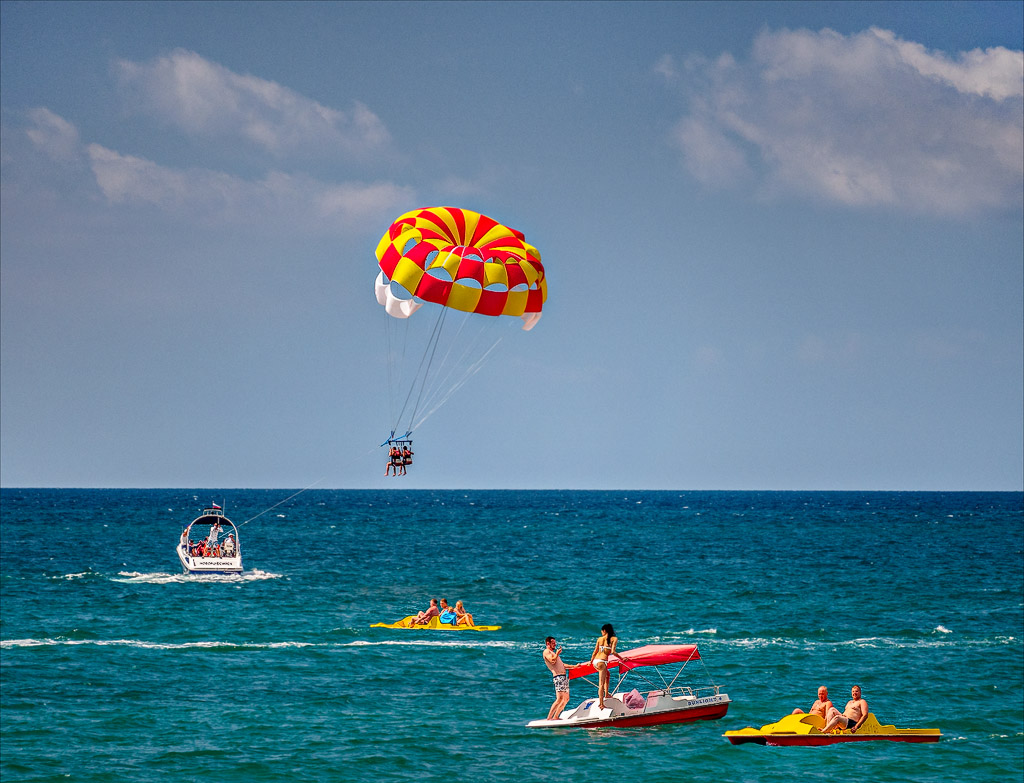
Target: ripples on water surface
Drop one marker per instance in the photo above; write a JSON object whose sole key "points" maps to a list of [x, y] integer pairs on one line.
{"points": [[115, 666]]}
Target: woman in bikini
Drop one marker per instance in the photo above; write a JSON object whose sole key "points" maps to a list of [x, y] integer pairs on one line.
{"points": [[462, 617], [604, 648]]}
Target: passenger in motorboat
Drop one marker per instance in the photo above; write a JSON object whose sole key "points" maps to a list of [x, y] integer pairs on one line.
{"points": [[851, 718], [603, 648], [205, 548], [211, 540], [553, 660], [821, 706]]}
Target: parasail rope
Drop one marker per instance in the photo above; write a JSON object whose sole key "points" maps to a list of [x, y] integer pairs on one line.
{"points": [[250, 519], [428, 357], [431, 350], [433, 391], [469, 373]]}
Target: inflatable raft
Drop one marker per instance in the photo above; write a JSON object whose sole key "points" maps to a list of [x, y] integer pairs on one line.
{"points": [[802, 729], [434, 625]]}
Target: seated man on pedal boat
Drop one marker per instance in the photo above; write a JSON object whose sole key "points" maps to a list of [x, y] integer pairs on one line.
{"points": [[854, 724]]}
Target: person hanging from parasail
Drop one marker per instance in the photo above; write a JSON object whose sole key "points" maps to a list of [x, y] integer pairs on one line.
{"points": [[394, 460]]}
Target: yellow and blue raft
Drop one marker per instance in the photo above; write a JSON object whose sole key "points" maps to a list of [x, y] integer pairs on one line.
{"points": [[434, 624]]}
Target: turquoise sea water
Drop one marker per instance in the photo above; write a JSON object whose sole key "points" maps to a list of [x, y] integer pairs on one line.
{"points": [[115, 666]]}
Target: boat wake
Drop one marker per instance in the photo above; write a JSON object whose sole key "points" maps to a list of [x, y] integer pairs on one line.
{"points": [[221, 644], [869, 642], [462, 641], [144, 645], [135, 577]]}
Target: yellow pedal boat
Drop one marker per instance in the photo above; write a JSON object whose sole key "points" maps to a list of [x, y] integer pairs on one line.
{"points": [[802, 729], [405, 624]]}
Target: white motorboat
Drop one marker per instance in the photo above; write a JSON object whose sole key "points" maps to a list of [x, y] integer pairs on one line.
{"points": [[209, 545], [655, 699]]}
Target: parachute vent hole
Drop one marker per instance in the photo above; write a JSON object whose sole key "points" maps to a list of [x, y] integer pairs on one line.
{"points": [[399, 291], [439, 273]]}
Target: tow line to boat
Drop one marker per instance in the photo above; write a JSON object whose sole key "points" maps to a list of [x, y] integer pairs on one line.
{"points": [[250, 519]]}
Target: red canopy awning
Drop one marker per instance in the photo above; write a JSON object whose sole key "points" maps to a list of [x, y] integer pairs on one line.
{"points": [[648, 655]]}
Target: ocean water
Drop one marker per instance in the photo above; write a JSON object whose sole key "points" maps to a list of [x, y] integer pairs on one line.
{"points": [[115, 666]]}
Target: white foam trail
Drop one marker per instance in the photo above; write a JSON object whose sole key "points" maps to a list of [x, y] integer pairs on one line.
{"points": [[213, 644], [942, 629], [143, 645], [869, 643], [469, 642], [136, 577]]}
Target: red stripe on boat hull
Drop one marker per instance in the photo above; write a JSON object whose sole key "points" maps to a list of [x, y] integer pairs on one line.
{"points": [[712, 712], [817, 740]]}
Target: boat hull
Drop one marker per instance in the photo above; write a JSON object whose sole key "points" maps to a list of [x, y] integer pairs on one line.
{"points": [[835, 739], [209, 565], [586, 716]]}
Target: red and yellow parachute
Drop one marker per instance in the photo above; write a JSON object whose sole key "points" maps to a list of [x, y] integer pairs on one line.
{"points": [[464, 266], [460, 259]]}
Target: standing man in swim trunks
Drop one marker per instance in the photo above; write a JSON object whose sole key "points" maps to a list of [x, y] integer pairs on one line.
{"points": [[852, 717], [553, 660], [821, 706]]}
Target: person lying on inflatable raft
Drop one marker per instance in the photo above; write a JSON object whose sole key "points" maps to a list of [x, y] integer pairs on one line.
{"points": [[440, 618]]}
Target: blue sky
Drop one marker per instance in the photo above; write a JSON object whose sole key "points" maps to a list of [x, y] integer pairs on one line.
{"points": [[783, 241]]}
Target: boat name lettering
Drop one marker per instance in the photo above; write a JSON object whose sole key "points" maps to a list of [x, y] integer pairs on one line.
{"points": [[706, 700]]}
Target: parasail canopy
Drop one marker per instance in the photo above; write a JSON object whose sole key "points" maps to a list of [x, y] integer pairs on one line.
{"points": [[648, 655], [460, 259]]}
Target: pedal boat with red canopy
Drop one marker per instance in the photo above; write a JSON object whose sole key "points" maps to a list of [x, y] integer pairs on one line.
{"points": [[209, 545], [655, 699], [803, 729]]}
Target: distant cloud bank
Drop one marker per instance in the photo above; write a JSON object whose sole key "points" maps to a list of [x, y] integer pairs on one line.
{"points": [[204, 99], [863, 120]]}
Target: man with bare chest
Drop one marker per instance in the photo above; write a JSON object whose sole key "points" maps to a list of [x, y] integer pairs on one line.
{"points": [[553, 660], [821, 706], [852, 717]]}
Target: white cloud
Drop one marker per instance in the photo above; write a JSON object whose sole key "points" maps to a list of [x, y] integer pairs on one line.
{"points": [[54, 135], [866, 119], [216, 197], [996, 72], [204, 98], [208, 196]]}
